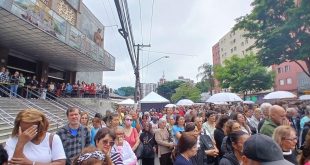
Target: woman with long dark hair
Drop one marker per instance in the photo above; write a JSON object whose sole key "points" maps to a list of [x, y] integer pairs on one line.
{"points": [[236, 141], [219, 133]]}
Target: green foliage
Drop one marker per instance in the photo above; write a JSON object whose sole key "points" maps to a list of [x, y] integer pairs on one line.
{"points": [[186, 91], [244, 75], [167, 89], [281, 30], [203, 86], [126, 91], [206, 74]]}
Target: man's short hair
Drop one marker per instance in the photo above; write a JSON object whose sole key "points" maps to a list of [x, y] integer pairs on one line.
{"points": [[72, 109]]}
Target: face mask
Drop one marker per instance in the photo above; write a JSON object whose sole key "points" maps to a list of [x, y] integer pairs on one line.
{"points": [[128, 122]]}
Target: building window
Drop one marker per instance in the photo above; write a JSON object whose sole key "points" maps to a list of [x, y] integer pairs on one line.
{"points": [[281, 82], [287, 68], [235, 48], [242, 43], [246, 41], [289, 81], [279, 70], [231, 50], [234, 40]]}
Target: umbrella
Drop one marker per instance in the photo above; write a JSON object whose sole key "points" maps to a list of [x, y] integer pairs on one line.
{"points": [[248, 102], [220, 103], [185, 102], [170, 105], [224, 97], [279, 95], [304, 97]]}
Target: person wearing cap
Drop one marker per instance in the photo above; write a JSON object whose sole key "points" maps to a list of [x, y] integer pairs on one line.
{"points": [[286, 138], [260, 149], [277, 117]]}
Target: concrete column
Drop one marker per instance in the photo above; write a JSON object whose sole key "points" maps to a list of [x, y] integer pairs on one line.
{"points": [[4, 54], [42, 70]]}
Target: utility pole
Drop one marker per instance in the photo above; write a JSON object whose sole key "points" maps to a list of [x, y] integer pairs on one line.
{"points": [[138, 90]]}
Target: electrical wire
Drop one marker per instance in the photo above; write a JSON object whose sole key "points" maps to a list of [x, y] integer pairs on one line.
{"points": [[170, 53]]}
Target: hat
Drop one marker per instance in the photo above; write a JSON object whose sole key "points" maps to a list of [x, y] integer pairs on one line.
{"points": [[263, 149]]}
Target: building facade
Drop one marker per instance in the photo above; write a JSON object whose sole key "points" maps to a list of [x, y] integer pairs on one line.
{"points": [[290, 77], [53, 39], [233, 43]]}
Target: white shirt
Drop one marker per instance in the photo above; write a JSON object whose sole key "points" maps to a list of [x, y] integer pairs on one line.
{"points": [[39, 153]]}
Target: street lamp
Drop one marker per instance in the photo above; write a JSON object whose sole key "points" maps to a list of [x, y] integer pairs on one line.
{"points": [[153, 62]]}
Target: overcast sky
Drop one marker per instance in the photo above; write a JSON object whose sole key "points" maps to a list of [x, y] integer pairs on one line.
{"points": [[187, 27]]}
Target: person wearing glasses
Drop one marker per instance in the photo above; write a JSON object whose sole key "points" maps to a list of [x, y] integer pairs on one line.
{"points": [[286, 137], [104, 141], [131, 134], [123, 147]]}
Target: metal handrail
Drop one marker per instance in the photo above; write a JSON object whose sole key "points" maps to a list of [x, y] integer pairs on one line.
{"points": [[5, 118], [82, 107], [32, 105], [72, 104], [50, 101]]}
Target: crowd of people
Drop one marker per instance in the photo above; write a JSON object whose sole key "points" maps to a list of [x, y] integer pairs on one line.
{"points": [[193, 135], [26, 86]]}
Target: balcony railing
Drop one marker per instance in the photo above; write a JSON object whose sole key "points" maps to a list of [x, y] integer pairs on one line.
{"points": [[37, 13]]}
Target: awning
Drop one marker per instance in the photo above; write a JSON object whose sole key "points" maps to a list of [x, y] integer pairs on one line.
{"points": [[23, 36]]}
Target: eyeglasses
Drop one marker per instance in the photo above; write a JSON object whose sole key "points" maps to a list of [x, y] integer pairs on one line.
{"points": [[128, 119], [105, 142], [291, 139]]}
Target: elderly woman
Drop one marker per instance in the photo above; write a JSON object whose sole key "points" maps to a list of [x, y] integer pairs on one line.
{"points": [[104, 141], [123, 147], [286, 137], [30, 142]]}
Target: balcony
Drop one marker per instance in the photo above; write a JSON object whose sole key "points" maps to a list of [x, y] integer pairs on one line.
{"points": [[32, 28]]}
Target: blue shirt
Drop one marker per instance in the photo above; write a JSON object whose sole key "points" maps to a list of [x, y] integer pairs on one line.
{"points": [[180, 160], [73, 132], [175, 130], [93, 133]]}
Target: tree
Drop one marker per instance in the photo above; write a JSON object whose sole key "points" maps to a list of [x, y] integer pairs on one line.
{"points": [[244, 75], [186, 91], [206, 74], [203, 86], [281, 30], [167, 89], [126, 91]]}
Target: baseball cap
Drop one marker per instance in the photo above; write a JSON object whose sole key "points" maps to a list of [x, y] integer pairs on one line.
{"points": [[263, 149]]}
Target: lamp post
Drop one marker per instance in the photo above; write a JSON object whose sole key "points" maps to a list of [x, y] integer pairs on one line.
{"points": [[139, 83]]}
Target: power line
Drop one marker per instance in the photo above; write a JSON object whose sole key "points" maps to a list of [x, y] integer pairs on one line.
{"points": [[141, 29], [171, 53], [150, 36]]}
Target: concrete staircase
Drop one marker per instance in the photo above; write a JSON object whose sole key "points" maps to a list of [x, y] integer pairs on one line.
{"points": [[9, 108]]}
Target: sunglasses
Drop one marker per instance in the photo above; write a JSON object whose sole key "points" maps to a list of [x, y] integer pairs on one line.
{"points": [[128, 119], [105, 142]]}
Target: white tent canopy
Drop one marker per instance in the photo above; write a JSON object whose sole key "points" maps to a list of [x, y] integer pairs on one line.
{"points": [[127, 102], [279, 95], [154, 98]]}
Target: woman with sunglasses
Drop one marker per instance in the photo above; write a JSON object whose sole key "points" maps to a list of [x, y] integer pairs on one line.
{"points": [[286, 137], [104, 141], [123, 147], [131, 134]]}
